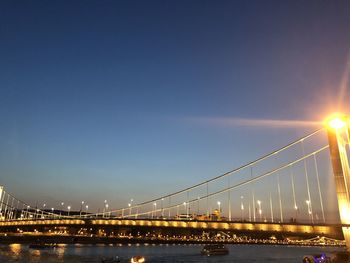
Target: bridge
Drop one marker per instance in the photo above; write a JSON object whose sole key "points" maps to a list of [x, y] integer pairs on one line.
{"points": [[288, 191]]}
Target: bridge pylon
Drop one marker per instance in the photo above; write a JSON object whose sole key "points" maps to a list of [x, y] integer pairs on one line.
{"points": [[1, 201], [338, 137]]}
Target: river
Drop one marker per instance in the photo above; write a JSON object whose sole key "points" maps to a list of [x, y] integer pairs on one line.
{"points": [[156, 253]]}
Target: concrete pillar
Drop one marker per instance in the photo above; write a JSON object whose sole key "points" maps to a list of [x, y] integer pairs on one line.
{"points": [[337, 143], [1, 201]]}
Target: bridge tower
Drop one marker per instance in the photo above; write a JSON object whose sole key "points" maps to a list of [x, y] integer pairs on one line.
{"points": [[338, 137], [1, 200]]}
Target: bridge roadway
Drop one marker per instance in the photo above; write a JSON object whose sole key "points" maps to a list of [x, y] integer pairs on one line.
{"points": [[328, 230]]}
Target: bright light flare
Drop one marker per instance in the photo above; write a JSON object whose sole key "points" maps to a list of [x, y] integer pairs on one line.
{"points": [[138, 259], [336, 121], [260, 123]]}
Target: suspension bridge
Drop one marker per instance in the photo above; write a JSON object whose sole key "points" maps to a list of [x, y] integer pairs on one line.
{"points": [[301, 188]]}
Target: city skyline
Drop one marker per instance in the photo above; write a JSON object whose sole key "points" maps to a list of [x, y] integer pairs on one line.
{"points": [[110, 100]]}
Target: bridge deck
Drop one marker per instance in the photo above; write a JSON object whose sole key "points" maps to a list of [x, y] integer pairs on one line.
{"points": [[316, 229]]}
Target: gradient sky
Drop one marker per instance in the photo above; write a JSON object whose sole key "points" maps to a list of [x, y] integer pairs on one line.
{"points": [[134, 99]]}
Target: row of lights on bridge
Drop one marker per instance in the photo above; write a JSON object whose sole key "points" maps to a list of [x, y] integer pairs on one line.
{"points": [[69, 207]]}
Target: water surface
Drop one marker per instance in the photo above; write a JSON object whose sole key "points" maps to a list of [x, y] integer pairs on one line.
{"points": [[156, 253]]}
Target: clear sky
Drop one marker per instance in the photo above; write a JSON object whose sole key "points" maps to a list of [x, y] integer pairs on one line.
{"points": [[134, 99]]}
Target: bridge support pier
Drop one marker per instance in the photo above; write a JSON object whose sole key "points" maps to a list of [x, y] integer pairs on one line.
{"points": [[337, 136]]}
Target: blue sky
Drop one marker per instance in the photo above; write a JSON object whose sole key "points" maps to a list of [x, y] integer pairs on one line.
{"points": [[125, 99]]}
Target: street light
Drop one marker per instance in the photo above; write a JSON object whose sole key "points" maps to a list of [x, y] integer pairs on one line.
{"points": [[42, 212], [155, 209], [161, 207], [296, 212], [69, 207], [260, 211], [87, 207], [28, 206], [308, 204], [219, 204], [137, 211], [186, 209], [104, 208], [309, 208], [130, 206], [198, 198], [62, 204], [242, 208], [81, 207]]}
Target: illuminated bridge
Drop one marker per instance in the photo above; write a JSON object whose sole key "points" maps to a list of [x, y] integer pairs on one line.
{"points": [[294, 190]]}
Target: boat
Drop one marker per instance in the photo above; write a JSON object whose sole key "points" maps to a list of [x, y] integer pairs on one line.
{"points": [[214, 249], [42, 245], [110, 260], [317, 258], [138, 259]]}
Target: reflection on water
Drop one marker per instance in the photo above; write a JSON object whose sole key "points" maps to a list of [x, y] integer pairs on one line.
{"points": [[15, 249], [60, 250], [155, 253], [35, 255]]}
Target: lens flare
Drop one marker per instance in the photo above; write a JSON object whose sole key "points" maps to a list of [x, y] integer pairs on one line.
{"points": [[259, 123], [336, 121]]}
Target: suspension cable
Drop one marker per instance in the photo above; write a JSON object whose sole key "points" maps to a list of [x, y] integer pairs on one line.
{"points": [[319, 188], [247, 181], [236, 169], [230, 187]]}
